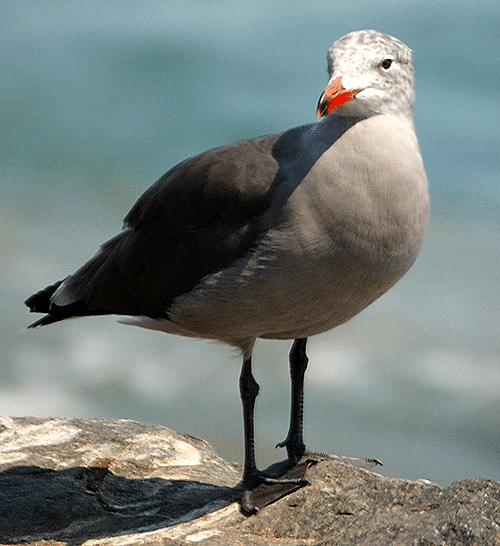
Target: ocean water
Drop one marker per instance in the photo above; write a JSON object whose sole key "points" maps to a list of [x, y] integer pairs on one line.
{"points": [[98, 99]]}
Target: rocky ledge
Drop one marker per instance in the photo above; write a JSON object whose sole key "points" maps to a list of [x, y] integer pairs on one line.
{"points": [[118, 482]]}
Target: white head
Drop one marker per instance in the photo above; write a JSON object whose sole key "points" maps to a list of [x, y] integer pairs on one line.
{"points": [[370, 73]]}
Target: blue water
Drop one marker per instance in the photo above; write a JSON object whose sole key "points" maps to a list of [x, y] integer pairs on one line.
{"points": [[99, 98]]}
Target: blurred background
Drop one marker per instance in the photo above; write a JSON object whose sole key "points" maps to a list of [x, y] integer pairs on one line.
{"points": [[99, 98]]}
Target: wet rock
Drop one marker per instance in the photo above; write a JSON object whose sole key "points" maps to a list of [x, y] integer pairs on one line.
{"points": [[119, 482]]}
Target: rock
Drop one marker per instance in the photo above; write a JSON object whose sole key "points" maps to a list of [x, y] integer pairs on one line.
{"points": [[119, 482]]}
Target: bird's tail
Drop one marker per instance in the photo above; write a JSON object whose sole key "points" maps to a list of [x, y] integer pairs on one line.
{"points": [[41, 302]]}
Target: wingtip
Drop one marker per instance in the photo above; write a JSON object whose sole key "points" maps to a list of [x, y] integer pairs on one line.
{"points": [[44, 321]]}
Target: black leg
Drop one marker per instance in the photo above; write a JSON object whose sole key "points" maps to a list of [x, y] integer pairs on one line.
{"points": [[252, 476], [294, 442], [249, 389]]}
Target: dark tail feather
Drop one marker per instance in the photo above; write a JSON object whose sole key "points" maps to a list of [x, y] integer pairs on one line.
{"points": [[41, 303]]}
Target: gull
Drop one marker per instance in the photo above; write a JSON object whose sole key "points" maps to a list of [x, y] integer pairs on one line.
{"points": [[279, 237]]}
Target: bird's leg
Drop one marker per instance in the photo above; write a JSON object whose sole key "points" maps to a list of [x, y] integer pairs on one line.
{"points": [[249, 389], [252, 476], [294, 441]]}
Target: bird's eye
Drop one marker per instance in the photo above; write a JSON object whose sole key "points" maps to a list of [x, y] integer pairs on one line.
{"points": [[386, 63]]}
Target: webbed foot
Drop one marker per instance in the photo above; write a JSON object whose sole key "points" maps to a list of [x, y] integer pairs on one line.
{"points": [[267, 486]]}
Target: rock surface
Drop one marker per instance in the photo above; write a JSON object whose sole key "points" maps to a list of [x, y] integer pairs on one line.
{"points": [[118, 482]]}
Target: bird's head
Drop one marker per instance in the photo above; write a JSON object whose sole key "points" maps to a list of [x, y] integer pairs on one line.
{"points": [[370, 73]]}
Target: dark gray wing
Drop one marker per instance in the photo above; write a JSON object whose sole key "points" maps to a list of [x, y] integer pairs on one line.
{"points": [[196, 219]]}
